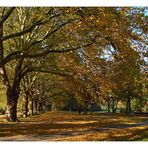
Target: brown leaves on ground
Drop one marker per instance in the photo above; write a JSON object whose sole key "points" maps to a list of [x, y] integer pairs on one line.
{"points": [[84, 126], [128, 134]]}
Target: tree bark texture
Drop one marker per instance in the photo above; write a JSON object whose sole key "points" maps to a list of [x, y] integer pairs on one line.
{"points": [[108, 105], [32, 106], [11, 107], [128, 105], [25, 105], [36, 106]]}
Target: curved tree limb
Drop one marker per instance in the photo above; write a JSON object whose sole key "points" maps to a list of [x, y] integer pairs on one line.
{"points": [[6, 16]]}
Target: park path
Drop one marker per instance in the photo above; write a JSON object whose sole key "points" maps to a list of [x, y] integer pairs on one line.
{"points": [[57, 137]]}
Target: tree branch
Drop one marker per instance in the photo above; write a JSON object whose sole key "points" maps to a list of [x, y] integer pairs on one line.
{"points": [[38, 23], [49, 34], [39, 69], [6, 16], [18, 54]]}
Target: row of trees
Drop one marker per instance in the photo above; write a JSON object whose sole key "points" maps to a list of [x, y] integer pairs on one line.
{"points": [[94, 54]]}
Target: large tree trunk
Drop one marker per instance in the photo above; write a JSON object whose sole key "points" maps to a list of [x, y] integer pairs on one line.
{"points": [[36, 106], [25, 105], [108, 105], [113, 106], [11, 107], [85, 111], [12, 95], [128, 105], [32, 106]]}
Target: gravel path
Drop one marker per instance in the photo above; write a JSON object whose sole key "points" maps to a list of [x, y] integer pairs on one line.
{"points": [[56, 137]]}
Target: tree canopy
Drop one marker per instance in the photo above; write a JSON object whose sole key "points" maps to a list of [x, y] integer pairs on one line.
{"points": [[95, 55]]}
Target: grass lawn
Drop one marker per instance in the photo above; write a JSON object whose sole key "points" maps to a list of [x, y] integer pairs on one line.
{"points": [[68, 126]]}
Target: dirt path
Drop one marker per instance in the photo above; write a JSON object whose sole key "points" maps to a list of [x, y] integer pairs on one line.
{"points": [[57, 137]]}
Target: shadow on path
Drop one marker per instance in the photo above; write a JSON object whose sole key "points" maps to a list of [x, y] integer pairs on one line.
{"points": [[57, 136]]}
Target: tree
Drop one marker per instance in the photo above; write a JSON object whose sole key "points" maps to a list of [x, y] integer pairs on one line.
{"points": [[27, 38], [27, 84], [29, 35]]}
